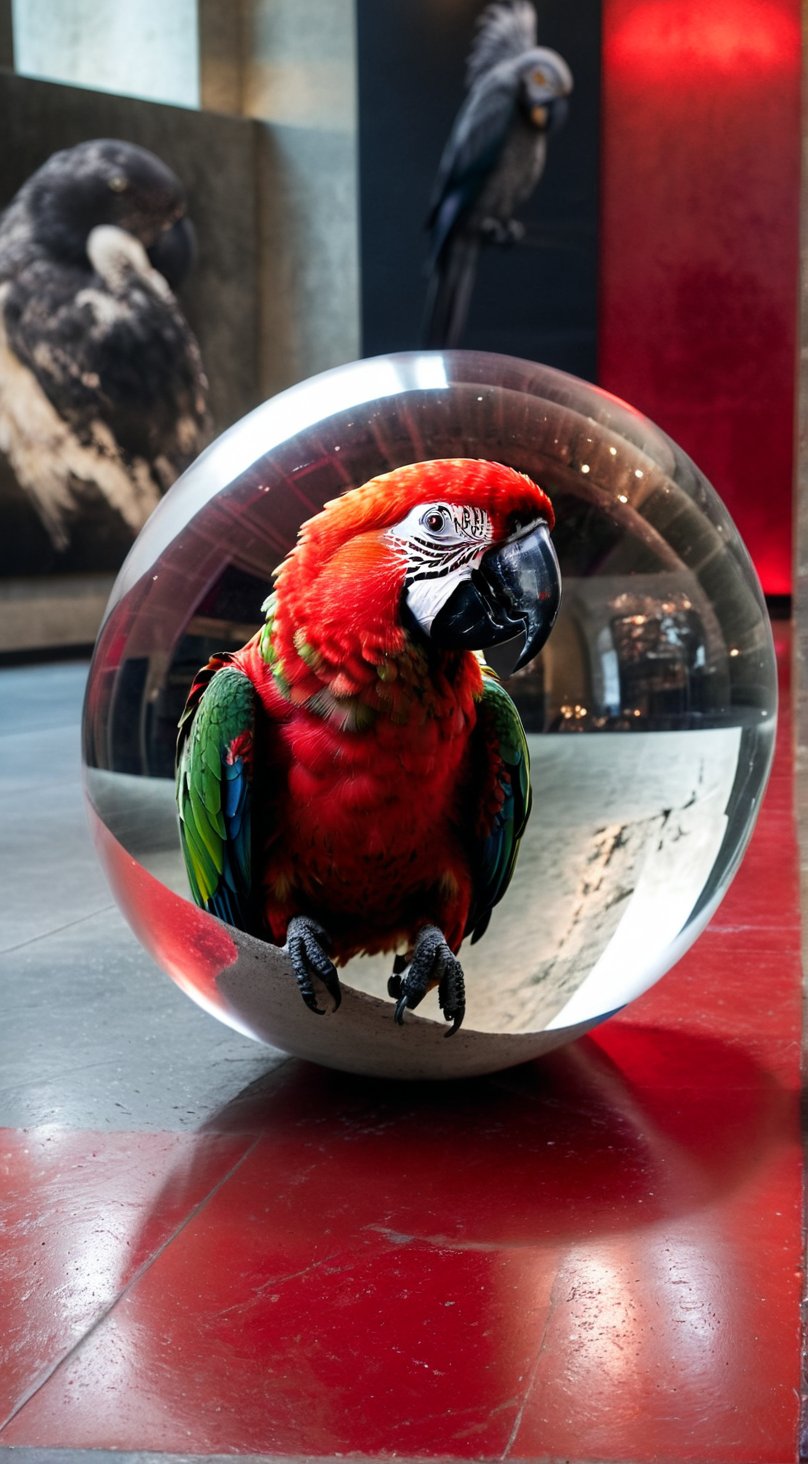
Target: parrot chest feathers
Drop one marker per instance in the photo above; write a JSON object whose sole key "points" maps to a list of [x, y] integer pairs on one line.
{"points": [[368, 865], [360, 804], [518, 172]]}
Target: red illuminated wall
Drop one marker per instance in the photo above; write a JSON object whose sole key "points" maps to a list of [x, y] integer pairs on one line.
{"points": [[699, 236]]}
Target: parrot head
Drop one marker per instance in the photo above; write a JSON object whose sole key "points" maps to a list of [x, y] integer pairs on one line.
{"points": [[110, 182], [454, 553], [545, 84]]}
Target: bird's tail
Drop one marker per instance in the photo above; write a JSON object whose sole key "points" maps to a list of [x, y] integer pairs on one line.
{"points": [[448, 294]]}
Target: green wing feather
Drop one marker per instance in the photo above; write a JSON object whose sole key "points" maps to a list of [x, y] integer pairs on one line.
{"points": [[214, 789], [505, 769]]}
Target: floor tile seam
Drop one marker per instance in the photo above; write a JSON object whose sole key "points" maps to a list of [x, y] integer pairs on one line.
{"points": [[12, 1090], [58, 929], [534, 1371], [206, 1128], [50, 1371]]}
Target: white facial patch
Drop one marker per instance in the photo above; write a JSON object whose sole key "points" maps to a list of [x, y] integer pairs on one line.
{"points": [[443, 543]]}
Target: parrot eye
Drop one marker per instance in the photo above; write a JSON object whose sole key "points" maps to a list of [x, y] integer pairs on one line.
{"points": [[434, 520], [540, 78]]}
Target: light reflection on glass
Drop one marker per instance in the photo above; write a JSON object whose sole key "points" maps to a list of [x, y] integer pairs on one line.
{"points": [[650, 713]]}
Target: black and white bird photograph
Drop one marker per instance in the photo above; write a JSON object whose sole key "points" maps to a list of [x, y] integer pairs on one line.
{"points": [[103, 393]]}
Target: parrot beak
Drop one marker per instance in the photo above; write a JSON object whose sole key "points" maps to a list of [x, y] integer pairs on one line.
{"points": [[517, 588]]}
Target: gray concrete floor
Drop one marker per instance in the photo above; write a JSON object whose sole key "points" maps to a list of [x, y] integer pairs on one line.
{"points": [[92, 1034]]}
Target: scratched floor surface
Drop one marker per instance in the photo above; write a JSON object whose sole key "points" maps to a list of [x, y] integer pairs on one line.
{"points": [[208, 1249]]}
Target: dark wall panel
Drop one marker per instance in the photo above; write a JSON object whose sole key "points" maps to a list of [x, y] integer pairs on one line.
{"points": [[537, 299]]}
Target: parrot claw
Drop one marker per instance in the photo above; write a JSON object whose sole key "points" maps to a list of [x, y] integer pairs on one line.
{"points": [[432, 963], [307, 947], [502, 231], [452, 995]]}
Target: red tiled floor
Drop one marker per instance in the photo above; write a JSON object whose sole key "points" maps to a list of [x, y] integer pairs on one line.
{"points": [[80, 1215], [592, 1257]]}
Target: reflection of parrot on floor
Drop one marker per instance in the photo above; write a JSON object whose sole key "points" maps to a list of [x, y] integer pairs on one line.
{"points": [[102, 391], [355, 779], [495, 156]]}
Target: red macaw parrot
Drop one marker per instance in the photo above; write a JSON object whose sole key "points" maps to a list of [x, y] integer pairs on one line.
{"points": [[356, 779]]}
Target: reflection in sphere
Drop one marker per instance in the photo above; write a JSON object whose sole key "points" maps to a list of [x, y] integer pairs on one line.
{"points": [[650, 712]]}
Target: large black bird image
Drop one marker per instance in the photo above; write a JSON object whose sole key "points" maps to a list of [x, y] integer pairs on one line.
{"points": [[516, 95], [103, 396]]}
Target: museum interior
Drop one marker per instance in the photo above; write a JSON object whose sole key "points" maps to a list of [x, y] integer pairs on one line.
{"points": [[403, 465]]}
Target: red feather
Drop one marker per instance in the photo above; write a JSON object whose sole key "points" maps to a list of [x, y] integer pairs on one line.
{"points": [[365, 779]]}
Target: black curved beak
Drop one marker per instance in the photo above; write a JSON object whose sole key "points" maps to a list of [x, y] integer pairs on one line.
{"points": [[173, 251], [517, 588]]}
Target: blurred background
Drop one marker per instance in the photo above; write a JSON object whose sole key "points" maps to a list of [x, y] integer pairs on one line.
{"points": [[660, 255]]}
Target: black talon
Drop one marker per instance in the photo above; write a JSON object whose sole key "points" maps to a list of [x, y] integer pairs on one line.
{"points": [[401, 1007], [432, 963], [307, 947], [452, 995], [394, 980]]}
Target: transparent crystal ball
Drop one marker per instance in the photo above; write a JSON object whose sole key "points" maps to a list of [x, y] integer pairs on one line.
{"points": [[650, 713]]}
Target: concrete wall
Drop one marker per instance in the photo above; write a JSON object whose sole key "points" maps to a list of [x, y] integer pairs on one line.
{"points": [[300, 63], [298, 76]]}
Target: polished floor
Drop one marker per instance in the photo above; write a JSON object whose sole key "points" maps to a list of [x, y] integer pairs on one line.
{"points": [[208, 1249]]}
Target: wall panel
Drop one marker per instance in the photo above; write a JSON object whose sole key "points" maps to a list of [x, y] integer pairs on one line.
{"points": [[699, 242]]}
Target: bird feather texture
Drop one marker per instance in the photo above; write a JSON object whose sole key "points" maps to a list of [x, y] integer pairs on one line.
{"points": [[102, 388], [341, 767]]}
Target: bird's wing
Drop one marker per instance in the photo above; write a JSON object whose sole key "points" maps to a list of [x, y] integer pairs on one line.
{"points": [[474, 148], [214, 789], [505, 30], [503, 770], [120, 367]]}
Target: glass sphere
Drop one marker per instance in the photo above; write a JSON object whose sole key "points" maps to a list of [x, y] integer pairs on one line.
{"points": [[650, 713]]}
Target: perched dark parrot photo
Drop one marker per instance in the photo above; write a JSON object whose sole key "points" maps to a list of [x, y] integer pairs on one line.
{"points": [[517, 95], [103, 396], [356, 779]]}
